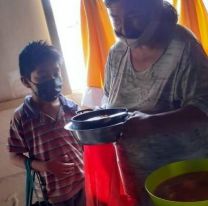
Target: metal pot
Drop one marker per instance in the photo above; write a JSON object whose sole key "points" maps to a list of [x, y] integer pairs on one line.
{"points": [[99, 126]]}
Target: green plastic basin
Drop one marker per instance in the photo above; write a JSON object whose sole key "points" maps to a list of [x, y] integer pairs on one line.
{"points": [[172, 170]]}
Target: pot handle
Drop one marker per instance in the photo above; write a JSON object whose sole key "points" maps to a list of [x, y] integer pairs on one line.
{"points": [[83, 111], [130, 114]]}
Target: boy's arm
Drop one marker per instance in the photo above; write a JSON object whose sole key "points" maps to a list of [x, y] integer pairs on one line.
{"points": [[57, 167], [19, 161], [17, 146]]}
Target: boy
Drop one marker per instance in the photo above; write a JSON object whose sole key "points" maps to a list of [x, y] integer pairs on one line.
{"points": [[37, 127]]}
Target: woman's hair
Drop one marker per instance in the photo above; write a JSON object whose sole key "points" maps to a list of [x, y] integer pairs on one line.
{"points": [[34, 54], [156, 2], [109, 2], [170, 13], [167, 25]]}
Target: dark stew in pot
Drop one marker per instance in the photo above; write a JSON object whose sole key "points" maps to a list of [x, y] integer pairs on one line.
{"points": [[189, 187]]}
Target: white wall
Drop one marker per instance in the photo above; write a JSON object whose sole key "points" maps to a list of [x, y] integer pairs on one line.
{"points": [[11, 178], [21, 21]]}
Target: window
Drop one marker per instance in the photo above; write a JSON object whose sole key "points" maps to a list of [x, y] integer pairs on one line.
{"points": [[206, 4], [67, 18]]}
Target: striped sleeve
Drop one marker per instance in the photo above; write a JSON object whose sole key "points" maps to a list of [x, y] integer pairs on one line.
{"points": [[16, 141]]}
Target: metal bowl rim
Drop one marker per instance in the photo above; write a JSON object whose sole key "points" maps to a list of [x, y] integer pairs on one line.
{"points": [[77, 130]]}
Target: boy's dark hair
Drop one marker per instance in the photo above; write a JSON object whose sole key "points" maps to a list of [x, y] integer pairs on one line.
{"points": [[34, 54]]}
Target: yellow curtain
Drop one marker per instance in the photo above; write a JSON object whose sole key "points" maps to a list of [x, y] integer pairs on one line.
{"points": [[193, 15], [97, 38]]}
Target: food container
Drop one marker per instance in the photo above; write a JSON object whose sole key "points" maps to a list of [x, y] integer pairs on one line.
{"points": [[99, 126], [172, 170]]}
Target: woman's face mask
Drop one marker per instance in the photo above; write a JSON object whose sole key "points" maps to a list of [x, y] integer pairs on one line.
{"points": [[129, 30], [48, 90], [133, 26], [141, 38]]}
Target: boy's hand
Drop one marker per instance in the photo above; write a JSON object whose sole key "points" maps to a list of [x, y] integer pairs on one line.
{"points": [[60, 167]]}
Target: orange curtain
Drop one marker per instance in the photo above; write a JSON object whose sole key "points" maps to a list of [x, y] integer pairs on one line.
{"points": [[97, 38], [193, 15]]}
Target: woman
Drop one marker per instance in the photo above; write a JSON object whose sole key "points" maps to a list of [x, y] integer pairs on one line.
{"points": [[159, 69]]}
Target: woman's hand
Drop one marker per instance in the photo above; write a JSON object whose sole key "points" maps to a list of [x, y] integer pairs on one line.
{"points": [[180, 120], [138, 124]]}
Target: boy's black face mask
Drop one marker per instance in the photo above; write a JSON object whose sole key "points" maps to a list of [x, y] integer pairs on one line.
{"points": [[48, 90]]}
